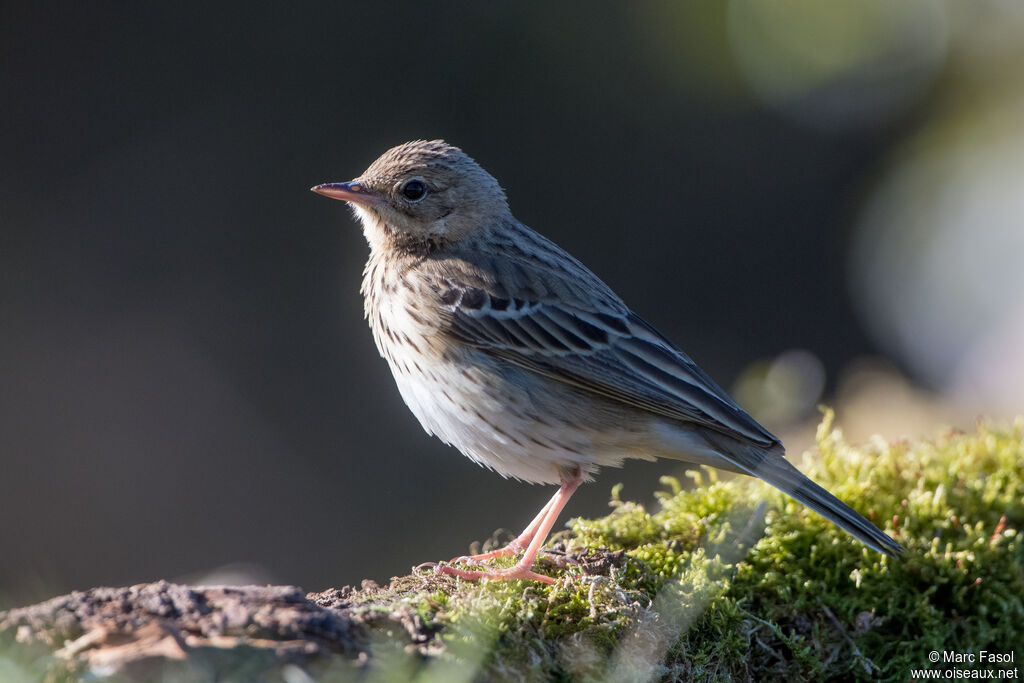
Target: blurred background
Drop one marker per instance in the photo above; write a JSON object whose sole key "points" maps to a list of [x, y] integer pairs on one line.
{"points": [[821, 202]]}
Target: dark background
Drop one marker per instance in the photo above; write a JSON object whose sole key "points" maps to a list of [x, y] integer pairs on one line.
{"points": [[186, 380]]}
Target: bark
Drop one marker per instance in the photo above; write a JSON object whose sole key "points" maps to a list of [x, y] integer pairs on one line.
{"points": [[251, 633]]}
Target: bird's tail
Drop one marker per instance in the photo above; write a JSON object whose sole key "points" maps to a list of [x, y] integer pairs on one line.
{"points": [[773, 468]]}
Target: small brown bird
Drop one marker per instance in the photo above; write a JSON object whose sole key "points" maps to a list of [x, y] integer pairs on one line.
{"points": [[508, 348]]}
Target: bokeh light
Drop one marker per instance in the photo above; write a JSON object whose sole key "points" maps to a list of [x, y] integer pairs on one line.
{"points": [[839, 64], [783, 390], [937, 261]]}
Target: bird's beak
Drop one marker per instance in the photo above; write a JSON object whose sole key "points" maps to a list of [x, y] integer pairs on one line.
{"points": [[353, 191]]}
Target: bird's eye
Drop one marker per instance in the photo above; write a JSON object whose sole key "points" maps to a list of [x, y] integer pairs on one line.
{"points": [[414, 190]]}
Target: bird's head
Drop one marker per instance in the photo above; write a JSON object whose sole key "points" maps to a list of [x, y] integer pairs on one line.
{"points": [[422, 196]]}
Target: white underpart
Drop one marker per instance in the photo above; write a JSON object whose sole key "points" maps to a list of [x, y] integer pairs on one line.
{"points": [[491, 414]]}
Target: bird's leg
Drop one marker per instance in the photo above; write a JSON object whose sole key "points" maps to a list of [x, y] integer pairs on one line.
{"points": [[518, 545], [544, 522]]}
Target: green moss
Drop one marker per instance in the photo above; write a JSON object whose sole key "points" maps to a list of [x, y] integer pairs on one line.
{"points": [[732, 580], [715, 586]]}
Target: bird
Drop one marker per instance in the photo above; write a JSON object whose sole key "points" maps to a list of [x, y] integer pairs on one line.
{"points": [[506, 347]]}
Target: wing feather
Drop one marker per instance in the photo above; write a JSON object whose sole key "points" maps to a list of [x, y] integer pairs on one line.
{"points": [[610, 353]]}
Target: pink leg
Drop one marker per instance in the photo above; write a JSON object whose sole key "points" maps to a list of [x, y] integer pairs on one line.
{"points": [[521, 542], [537, 535]]}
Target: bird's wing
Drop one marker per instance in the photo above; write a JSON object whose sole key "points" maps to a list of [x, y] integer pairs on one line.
{"points": [[612, 353]]}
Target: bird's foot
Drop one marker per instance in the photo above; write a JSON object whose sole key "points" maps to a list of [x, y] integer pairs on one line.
{"points": [[517, 572], [529, 543], [513, 548]]}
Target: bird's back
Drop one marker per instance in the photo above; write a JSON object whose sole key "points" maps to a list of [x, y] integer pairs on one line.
{"points": [[517, 354]]}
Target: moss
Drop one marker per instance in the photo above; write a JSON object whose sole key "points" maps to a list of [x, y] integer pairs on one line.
{"points": [[732, 580], [716, 586]]}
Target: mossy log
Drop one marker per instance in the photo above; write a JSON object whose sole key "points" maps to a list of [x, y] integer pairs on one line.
{"points": [[729, 580]]}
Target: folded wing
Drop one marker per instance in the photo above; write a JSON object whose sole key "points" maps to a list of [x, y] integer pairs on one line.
{"points": [[611, 353]]}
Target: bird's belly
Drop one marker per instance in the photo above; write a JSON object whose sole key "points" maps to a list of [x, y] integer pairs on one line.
{"points": [[502, 417]]}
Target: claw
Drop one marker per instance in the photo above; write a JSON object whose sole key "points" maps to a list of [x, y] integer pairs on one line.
{"points": [[516, 572], [512, 548]]}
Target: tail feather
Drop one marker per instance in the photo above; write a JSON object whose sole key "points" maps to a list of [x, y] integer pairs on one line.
{"points": [[774, 469], [788, 479]]}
